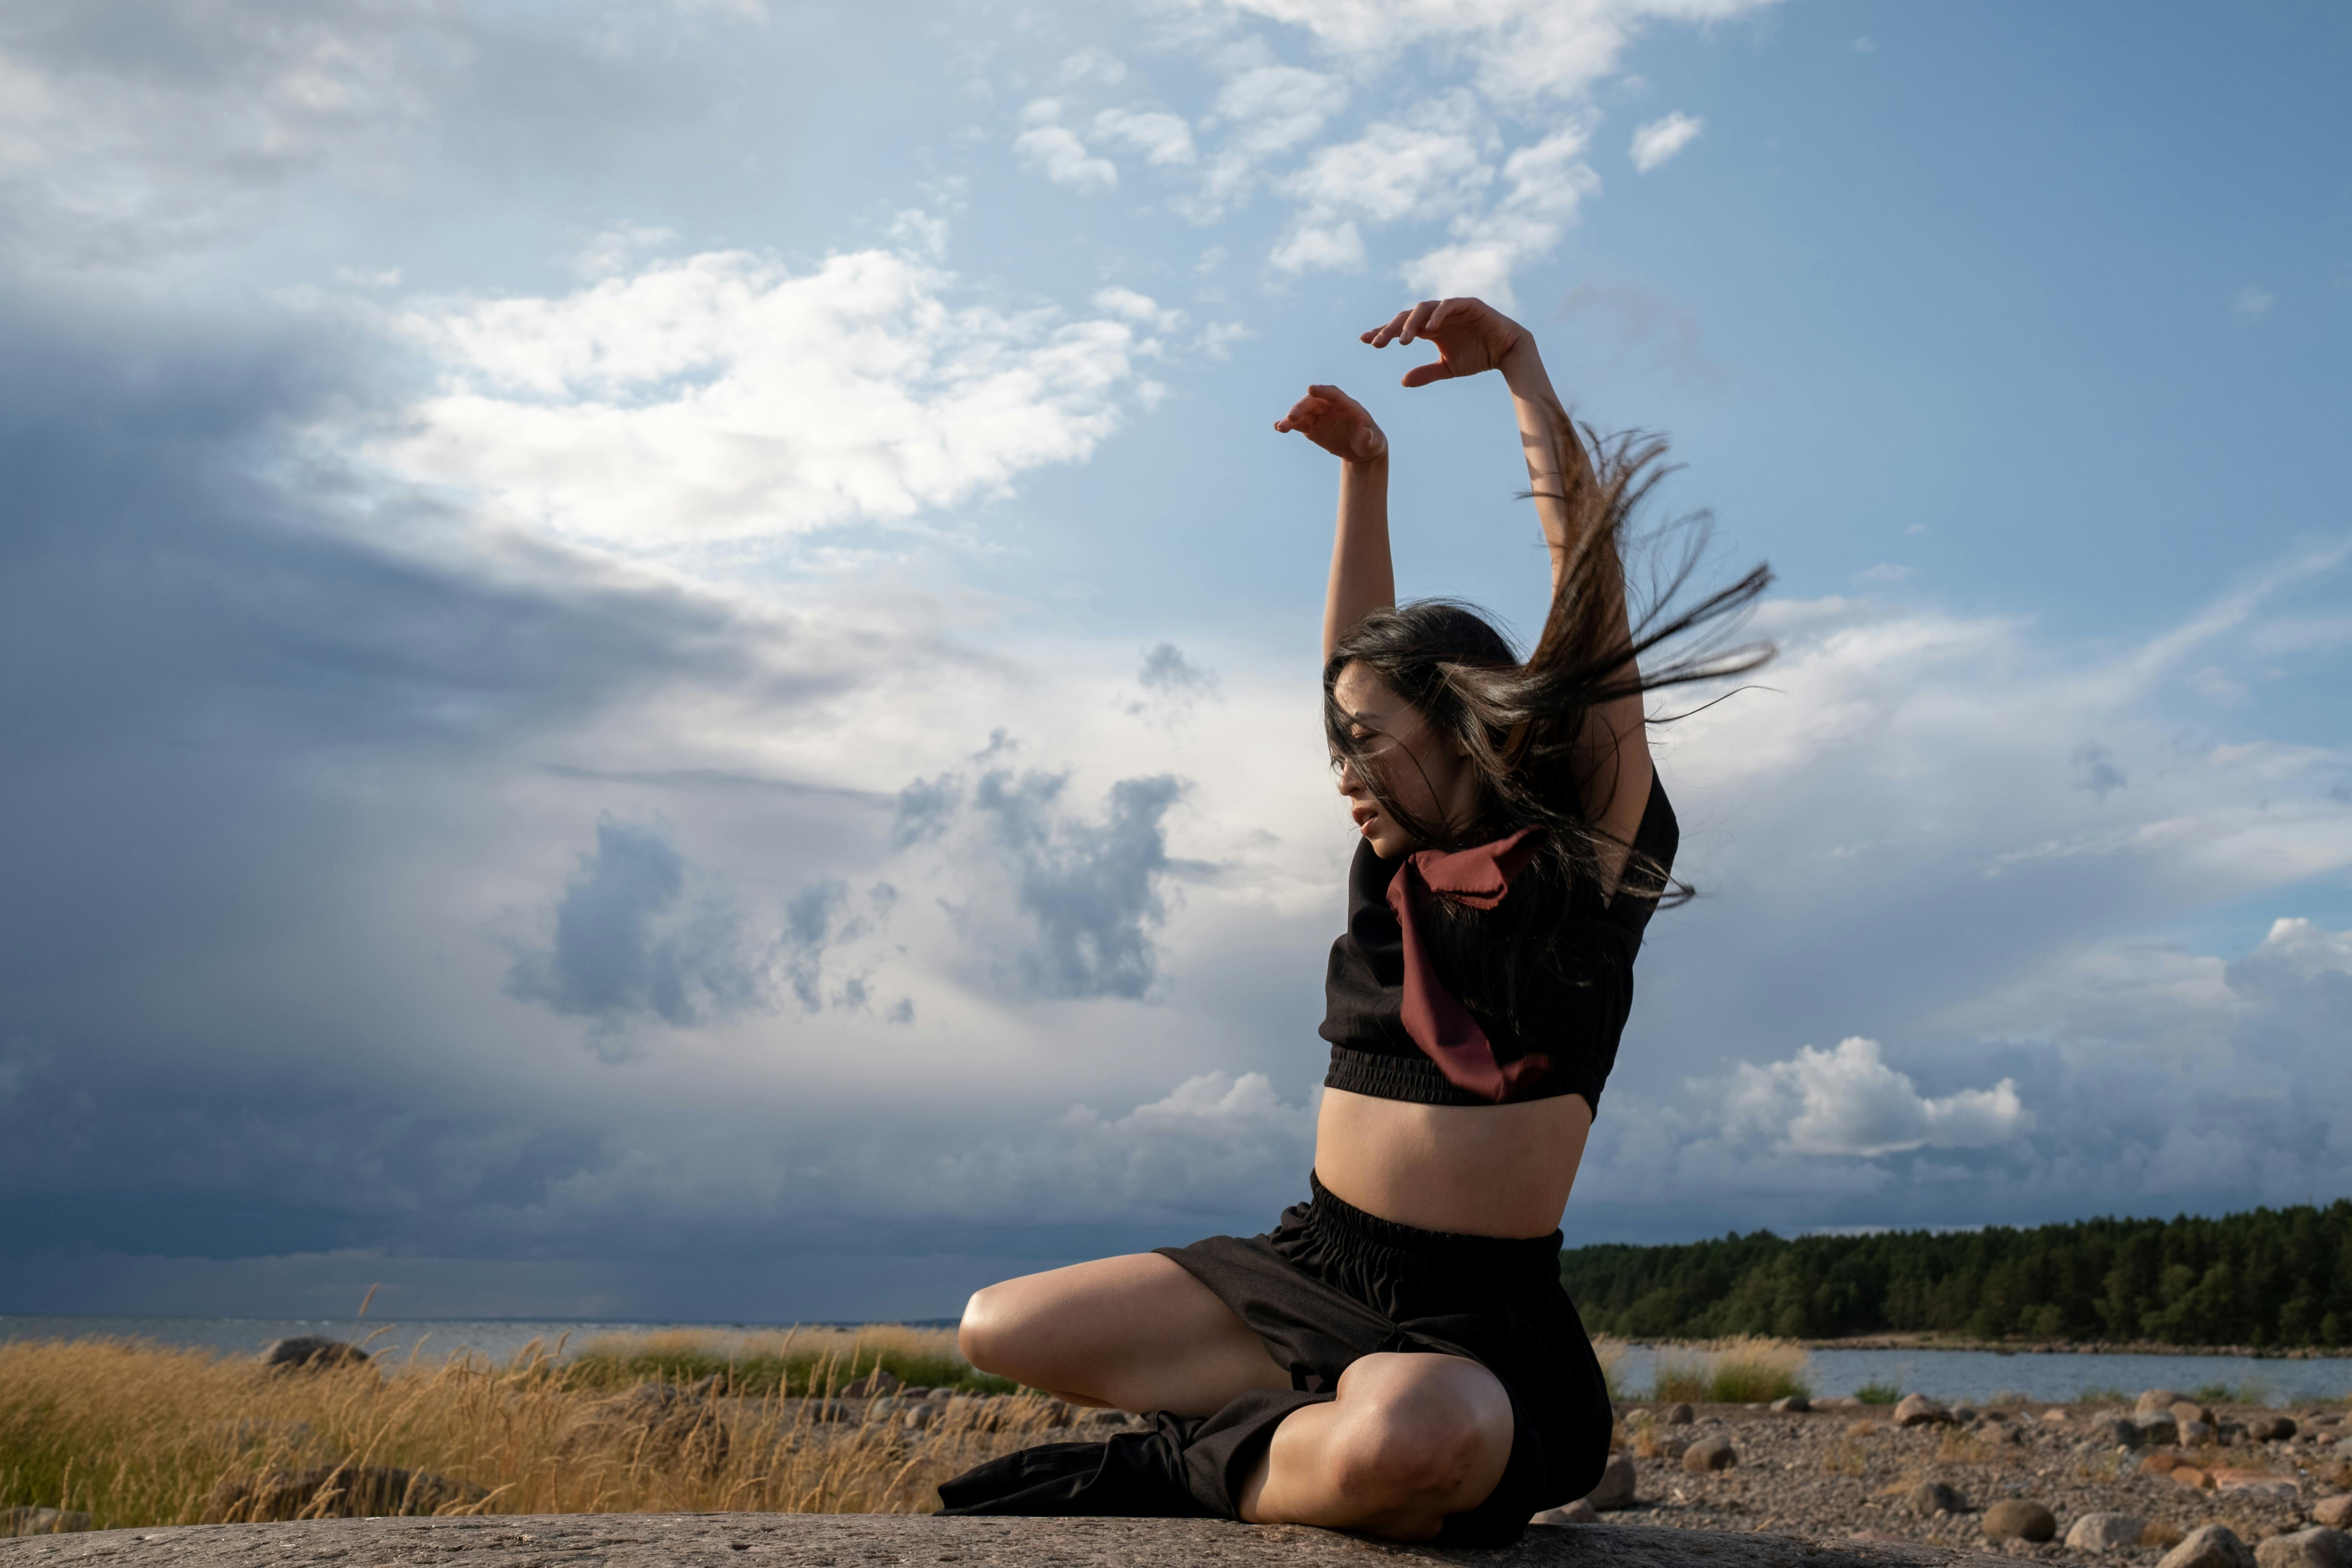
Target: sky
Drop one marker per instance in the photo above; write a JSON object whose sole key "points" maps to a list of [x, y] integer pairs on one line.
{"points": [[659, 663]]}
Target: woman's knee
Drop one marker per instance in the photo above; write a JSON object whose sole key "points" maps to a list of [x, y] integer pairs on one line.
{"points": [[991, 1333], [1426, 1430]]}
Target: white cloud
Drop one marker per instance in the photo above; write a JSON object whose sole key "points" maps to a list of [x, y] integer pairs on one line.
{"points": [[1056, 151], [1660, 139], [2252, 302], [1424, 167], [1162, 138], [1094, 63], [1848, 1101], [1545, 183], [1141, 309], [1518, 49], [1264, 112], [723, 396]]}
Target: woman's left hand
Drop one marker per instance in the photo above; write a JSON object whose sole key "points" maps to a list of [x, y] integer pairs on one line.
{"points": [[1470, 336]]}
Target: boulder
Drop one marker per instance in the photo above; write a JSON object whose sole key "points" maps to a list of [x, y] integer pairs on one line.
{"points": [[2187, 1410], [311, 1352], [2195, 1432], [2270, 1428], [2263, 1482], [1679, 1415], [2315, 1548], [1616, 1488], [2158, 1429], [2053, 1414], [2191, 1476], [332, 1491], [1709, 1454], [2343, 1449], [2104, 1532], [1578, 1512], [2157, 1400], [41, 1521], [1929, 1498], [2335, 1512], [1918, 1410], [2210, 1546], [873, 1384], [2015, 1519], [1792, 1405]]}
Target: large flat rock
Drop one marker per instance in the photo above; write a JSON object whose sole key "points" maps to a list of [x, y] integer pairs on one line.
{"points": [[915, 1541]]}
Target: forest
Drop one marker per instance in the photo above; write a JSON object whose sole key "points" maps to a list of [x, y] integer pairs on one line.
{"points": [[2270, 1279]]}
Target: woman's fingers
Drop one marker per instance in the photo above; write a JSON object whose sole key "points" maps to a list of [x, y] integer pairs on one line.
{"points": [[1416, 321], [1422, 374]]}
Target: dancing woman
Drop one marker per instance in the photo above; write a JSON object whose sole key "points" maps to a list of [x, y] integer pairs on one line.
{"points": [[1397, 1356]]}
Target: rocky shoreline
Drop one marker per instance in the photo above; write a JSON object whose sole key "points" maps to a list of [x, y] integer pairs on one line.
{"points": [[1923, 1342]]}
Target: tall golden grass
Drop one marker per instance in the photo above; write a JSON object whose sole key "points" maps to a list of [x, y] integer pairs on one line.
{"points": [[137, 1434], [1732, 1372]]}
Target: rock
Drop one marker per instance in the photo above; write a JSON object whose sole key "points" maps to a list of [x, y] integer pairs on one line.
{"points": [[2159, 1464], [332, 1491], [1709, 1454], [2195, 1432], [2270, 1428], [2257, 1481], [2158, 1429], [875, 1383], [2104, 1531], [2158, 1401], [2335, 1512], [2015, 1519], [1964, 1414], [1918, 1410], [1792, 1405], [41, 1521], [1616, 1488], [311, 1352], [2187, 1410], [918, 1541], [2115, 1432], [2316, 1548], [2053, 1414], [1679, 1415], [1578, 1512], [1860, 1428], [2210, 1546], [2191, 1476], [2343, 1449], [1929, 1498]]}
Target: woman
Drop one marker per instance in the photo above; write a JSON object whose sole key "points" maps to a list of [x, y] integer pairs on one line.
{"points": [[1397, 1356]]}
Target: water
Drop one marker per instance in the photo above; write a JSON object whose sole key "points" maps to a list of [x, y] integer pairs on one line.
{"points": [[1975, 1376], [499, 1338], [1956, 1375]]}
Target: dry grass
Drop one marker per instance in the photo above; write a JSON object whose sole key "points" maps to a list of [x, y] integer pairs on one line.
{"points": [[141, 1435], [1732, 1372]]}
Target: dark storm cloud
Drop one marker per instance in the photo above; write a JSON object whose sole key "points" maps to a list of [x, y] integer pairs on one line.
{"points": [[224, 702]]}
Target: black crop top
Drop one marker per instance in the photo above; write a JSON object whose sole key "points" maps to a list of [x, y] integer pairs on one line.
{"points": [[1573, 1016]]}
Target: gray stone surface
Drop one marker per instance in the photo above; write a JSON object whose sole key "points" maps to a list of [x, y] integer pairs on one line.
{"points": [[903, 1540]]}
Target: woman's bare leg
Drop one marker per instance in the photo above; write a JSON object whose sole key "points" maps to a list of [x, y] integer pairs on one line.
{"points": [[1136, 1333], [1408, 1440]]}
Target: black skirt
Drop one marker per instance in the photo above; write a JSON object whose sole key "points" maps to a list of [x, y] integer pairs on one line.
{"points": [[1331, 1283]]}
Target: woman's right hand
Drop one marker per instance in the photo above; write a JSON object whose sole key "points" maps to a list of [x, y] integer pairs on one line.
{"points": [[1336, 423]]}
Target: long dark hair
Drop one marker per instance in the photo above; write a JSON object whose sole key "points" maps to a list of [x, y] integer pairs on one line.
{"points": [[1523, 724]]}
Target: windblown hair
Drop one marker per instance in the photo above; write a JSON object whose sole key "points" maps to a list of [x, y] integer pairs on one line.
{"points": [[1530, 727]]}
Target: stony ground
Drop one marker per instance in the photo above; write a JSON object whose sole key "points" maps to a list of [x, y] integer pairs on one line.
{"points": [[1850, 1472]]}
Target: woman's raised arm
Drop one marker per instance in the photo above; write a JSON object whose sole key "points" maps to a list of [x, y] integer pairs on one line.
{"points": [[1362, 578], [1472, 337]]}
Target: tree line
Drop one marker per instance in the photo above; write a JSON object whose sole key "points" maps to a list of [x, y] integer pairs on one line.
{"points": [[2273, 1277]]}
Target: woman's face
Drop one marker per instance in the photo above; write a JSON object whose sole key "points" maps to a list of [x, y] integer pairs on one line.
{"points": [[1424, 772]]}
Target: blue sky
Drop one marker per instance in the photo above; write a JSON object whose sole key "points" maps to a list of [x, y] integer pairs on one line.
{"points": [[660, 663]]}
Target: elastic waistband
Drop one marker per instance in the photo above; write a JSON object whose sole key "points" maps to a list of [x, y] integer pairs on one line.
{"points": [[1487, 1255]]}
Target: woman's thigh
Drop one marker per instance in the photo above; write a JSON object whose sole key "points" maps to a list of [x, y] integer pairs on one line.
{"points": [[1136, 1332]]}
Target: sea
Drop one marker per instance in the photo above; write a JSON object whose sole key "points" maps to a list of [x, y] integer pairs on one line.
{"points": [[1973, 1376]]}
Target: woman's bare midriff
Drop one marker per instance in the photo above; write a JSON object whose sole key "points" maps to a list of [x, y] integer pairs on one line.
{"points": [[1475, 1170]]}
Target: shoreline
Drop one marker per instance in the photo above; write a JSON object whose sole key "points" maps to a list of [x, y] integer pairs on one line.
{"points": [[1923, 1342]]}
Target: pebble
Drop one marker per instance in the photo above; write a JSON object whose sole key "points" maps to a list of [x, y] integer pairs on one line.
{"points": [[1578, 1512], [1918, 1410], [1616, 1488], [2104, 1531], [2210, 1546], [1709, 1454], [2315, 1548], [2016, 1519]]}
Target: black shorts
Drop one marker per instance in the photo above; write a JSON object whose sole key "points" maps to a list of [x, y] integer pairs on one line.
{"points": [[1331, 1283]]}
